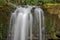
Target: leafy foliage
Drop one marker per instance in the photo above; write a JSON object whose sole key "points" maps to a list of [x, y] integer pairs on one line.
{"points": [[2, 2], [48, 1], [50, 26]]}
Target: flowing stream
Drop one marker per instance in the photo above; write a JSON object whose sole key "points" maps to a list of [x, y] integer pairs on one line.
{"points": [[24, 20]]}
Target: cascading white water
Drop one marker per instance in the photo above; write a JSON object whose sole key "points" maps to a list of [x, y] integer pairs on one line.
{"points": [[40, 18], [23, 20]]}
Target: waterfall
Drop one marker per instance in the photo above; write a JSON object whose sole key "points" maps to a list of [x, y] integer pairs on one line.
{"points": [[23, 21]]}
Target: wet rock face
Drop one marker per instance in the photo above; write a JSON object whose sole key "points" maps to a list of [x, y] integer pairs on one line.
{"points": [[53, 9]]}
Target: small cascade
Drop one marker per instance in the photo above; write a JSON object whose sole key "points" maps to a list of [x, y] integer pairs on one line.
{"points": [[27, 23]]}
